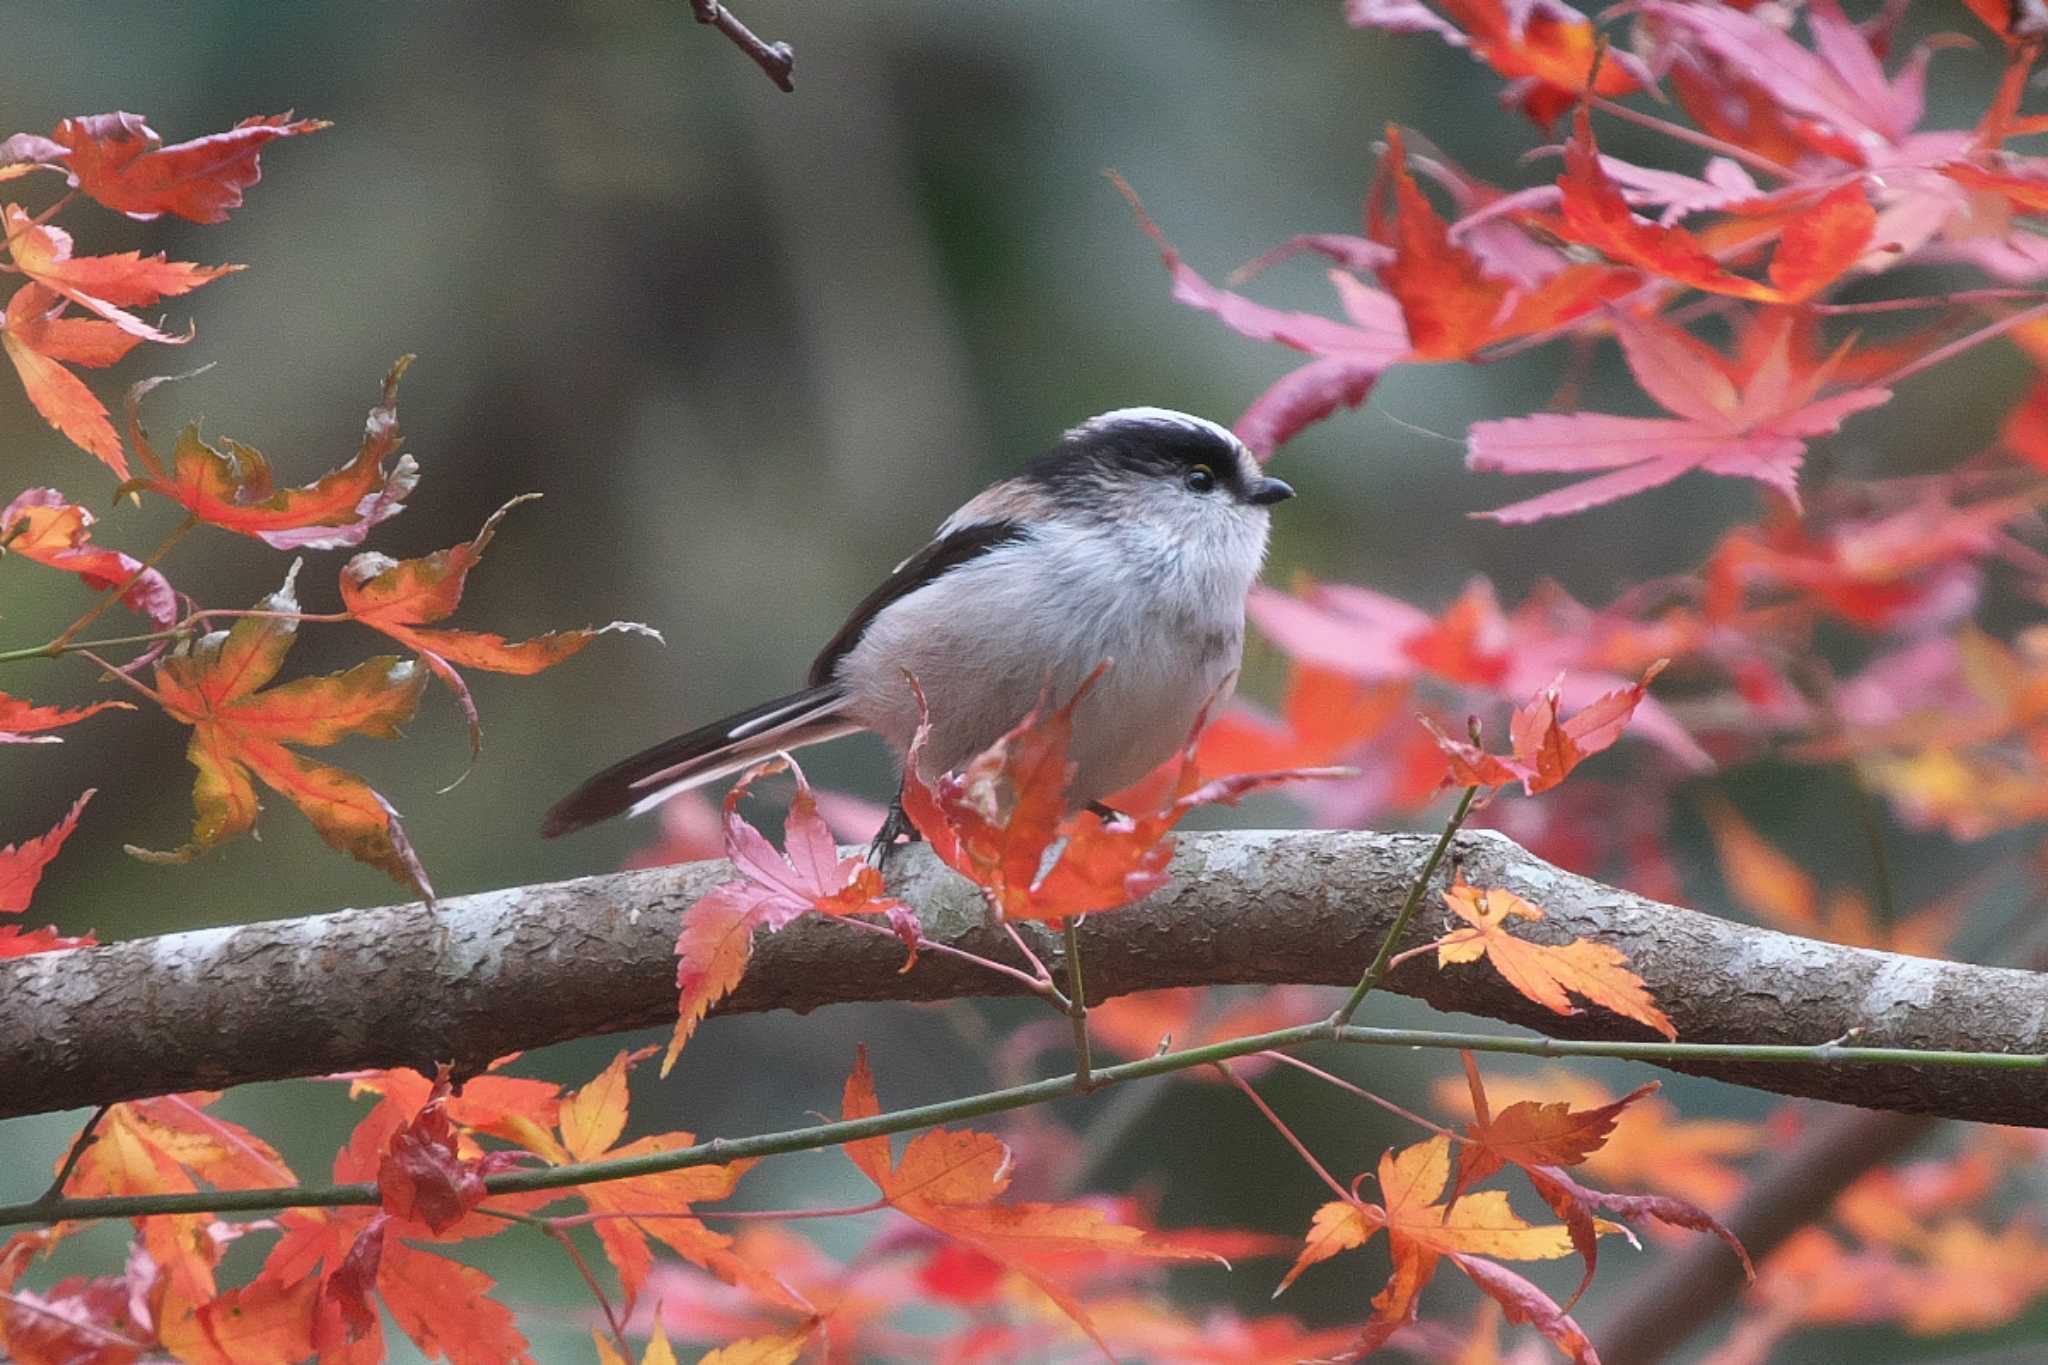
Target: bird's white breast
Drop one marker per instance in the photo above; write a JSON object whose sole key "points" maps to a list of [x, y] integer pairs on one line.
{"points": [[1162, 600]]}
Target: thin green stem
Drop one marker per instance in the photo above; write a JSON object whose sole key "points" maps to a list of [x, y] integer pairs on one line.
{"points": [[1883, 889], [53, 649], [822, 1135], [1377, 972], [1077, 1010]]}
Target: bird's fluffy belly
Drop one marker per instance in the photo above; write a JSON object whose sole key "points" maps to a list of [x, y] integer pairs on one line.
{"points": [[982, 671]]}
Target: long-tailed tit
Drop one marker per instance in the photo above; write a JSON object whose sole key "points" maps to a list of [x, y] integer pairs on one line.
{"points": [[1134, 540]]}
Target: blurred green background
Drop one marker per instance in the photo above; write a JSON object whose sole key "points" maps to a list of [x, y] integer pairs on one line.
{"points": [[752, 347]]}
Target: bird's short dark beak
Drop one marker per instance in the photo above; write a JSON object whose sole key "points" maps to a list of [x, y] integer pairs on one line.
{"points": [[1266, 492]]}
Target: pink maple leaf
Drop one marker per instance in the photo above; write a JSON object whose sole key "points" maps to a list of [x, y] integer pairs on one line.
{"points": [[1752, 426]]}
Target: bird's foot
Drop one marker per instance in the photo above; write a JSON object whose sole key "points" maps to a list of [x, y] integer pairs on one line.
{"points": [[894, 826]]}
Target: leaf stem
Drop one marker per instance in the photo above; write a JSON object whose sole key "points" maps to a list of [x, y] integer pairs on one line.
{"points": [[1004, 969], [833, 1134], [1367, 1095], [1300, 1147], [113, 672], [1754, 160], [1077, 1008], [611, 1315], [1960, 345], [120, 590], [1378, 970]]}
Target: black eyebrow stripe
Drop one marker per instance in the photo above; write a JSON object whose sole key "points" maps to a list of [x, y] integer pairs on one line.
{"points": [[927, 566]]}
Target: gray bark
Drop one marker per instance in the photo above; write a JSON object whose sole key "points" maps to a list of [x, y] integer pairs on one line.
{"points": [[519, 968]]}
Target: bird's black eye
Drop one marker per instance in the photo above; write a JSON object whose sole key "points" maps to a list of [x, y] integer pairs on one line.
{"points": [[1200, 479]]}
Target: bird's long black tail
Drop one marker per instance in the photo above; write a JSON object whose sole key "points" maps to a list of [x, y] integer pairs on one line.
{"points": [[703, 755]]}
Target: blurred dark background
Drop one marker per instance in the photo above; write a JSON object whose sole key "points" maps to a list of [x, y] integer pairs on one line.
{"points": [[752, 347]]}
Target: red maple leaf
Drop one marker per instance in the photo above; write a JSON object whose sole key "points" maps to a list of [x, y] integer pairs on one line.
{"points": [[1819, 240], [355, 1256], [1350, 356], [1452, 304], [122, 162], [21, 868], [22, 721], [423, 1174], [1547, 50]]}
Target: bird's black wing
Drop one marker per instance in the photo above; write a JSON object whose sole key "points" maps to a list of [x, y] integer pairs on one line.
{"points": [[941, 557]]}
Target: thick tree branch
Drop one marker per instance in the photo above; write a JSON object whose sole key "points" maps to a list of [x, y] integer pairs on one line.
{"points": [[526, 966]]}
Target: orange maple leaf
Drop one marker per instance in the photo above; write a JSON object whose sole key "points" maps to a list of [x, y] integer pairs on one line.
{"points": [[259, 1321], [717, 939], [950, 1181], [1545, 974], [1546, 746], [236, 490], [776, 1350], [401, 597], [239, 730], [40, 341], [994, 820], [1421, 1231], [658, 1206], [103, 285], [351, 1256], [167, 1146], [21, 868], [1548, 52], [1323, 717], [39, 525], [120, 161]]}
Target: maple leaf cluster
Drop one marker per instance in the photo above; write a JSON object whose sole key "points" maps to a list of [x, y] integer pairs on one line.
{"points": [[72, 309]]}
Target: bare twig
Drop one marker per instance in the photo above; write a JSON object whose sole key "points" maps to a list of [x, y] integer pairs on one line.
{"points": [[85, 1139], [777, 59]]}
